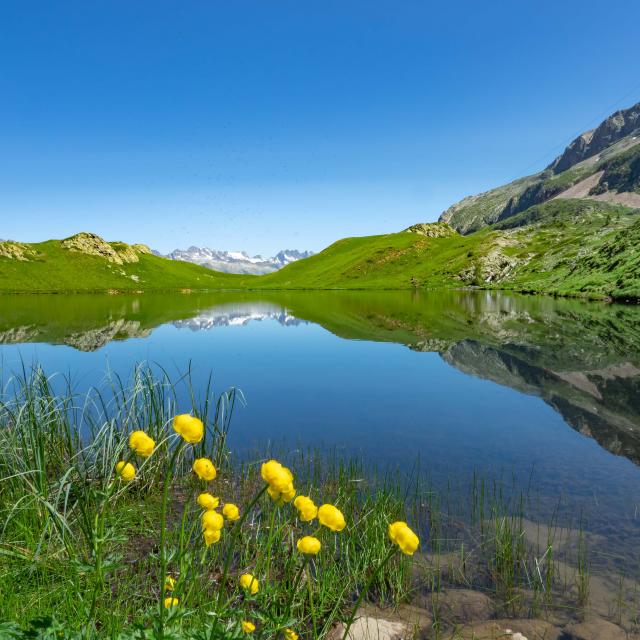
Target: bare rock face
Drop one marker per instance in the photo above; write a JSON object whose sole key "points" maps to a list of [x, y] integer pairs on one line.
{"points": [[595, 629], [432, 229], [615, 127], [16, 251], [114, 252], [492, 267]]}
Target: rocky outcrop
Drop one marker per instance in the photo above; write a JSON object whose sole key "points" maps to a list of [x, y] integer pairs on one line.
{"points": [[16, 251], [491, 268], [432, 229], [615, 127], [114, 252]]}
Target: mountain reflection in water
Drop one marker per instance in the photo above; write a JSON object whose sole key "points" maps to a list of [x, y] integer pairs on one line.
{"points": [[582, 358]]}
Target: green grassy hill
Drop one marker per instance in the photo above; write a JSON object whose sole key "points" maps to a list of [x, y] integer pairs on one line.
{"points": [[87, 263], [568, 247]]}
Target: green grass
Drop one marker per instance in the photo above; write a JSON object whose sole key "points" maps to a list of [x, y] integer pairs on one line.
{"points": [[55, 269]]}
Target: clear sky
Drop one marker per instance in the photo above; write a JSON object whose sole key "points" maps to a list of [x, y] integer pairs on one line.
{"points": [[266, 124]]}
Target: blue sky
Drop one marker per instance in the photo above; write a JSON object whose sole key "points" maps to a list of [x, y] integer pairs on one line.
{"points": [[260, 125]]}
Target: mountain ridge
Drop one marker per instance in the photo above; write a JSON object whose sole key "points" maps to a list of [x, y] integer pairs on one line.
{"points": [[610, 150], [238, 262]]}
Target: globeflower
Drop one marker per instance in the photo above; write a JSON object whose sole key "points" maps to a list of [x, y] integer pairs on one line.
{"points": [[141, 443], [126, 470], [248, 627], [331, 517], [190, 428], [204, 469], [212, 520], [290, 634], [249, 583], [307, 510], [210, 536], [309, 545], [171, 602], [169, 583], [276, 475], [404, 537], [207, 501], [231, 512]]}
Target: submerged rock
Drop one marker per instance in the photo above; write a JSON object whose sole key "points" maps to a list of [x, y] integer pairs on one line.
{"points": [[507, 629], [460, 605], [594, 629]]}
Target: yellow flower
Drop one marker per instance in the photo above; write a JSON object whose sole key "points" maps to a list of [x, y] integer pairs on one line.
{"points": [[407, 540], [141, 443], [309, 545], [280, 481], [290, 634], [126, 470], [231, 512], [248, 627], [211, 536], [249, 583], [331, 517], [169, 583], [204, 469], [207, 501], [307, 510], [190, 428], [171, 602], [212, 520]]}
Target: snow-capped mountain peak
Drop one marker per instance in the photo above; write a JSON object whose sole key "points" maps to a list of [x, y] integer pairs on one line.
{"points": [[237, 261]]}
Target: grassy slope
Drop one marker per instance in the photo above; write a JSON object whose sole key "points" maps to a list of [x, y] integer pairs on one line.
{"points": [[56, 269], [393, 261], [551, 244]]}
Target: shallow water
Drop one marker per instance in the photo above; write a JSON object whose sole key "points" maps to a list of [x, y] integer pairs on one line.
{"points": [[542, 393]]}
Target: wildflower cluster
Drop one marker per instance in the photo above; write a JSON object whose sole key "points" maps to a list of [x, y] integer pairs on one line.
{"points": [[216, 514]]}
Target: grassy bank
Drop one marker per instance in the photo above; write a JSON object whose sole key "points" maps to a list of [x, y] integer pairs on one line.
{"points": [[90, 552]]}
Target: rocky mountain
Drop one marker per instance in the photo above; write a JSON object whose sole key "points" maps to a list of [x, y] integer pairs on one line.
{"points": [[615, 127], [237, 261], [602, 164]]}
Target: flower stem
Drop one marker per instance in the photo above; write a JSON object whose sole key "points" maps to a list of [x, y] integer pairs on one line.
{"points": [[163, 531], [311, 605], [234, 535], [372, 577]]}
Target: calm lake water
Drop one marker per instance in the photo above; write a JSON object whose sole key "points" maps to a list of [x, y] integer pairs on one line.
{"points": [[543, 393]]}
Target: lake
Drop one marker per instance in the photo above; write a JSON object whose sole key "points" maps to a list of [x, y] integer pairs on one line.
{"points": [[537, 392]]}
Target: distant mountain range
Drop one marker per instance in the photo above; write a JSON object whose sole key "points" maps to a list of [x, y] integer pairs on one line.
{"points": [[237, 261]]}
